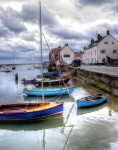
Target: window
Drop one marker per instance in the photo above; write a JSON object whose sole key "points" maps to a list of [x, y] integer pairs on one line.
{"points": [[95, 60], [105, 42], [66, 55], [112, 42], [114, 51], [95, 52], [103, 51]]}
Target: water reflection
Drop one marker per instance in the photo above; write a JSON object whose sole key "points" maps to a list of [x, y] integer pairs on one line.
{"points": [[82, 111], [44, 123], [77, 129], [64, 98]]}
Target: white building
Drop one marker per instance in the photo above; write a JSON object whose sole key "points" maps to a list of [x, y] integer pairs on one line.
{"points": [[98, 50], [66, 53]]}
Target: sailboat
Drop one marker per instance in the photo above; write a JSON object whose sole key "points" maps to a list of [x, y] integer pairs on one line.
{"points": [[29, 111], [13, 68], [48, 91]]}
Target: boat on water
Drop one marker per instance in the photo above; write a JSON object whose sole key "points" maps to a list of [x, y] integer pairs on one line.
{"points": [[29, 111], [13, 68], [57, 81], [48, 91], [51, 74], [92, 100], [27, 80], [5, 69], [46, 81]]}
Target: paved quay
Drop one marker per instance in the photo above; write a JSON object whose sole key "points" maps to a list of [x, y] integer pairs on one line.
{"points": [[102, 69]]}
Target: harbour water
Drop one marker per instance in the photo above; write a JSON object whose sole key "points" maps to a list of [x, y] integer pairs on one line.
{"points": [[77, 129]]}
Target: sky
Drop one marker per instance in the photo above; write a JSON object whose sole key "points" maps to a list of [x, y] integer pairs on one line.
{"points": [[63, 21]]}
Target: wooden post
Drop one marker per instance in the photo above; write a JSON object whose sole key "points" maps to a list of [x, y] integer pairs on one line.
{"points": [[16, 77]]}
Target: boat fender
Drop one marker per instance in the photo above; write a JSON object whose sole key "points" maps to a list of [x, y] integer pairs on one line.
{"points": [[29, 88]]}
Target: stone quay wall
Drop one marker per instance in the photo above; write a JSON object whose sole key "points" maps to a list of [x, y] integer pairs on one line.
{"points": [[104, 81]]}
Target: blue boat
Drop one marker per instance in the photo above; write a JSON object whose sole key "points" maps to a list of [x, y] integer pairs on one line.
{"points": [[29, 111], [48, 91], [92, 100], [30, 81], [51, 74]]}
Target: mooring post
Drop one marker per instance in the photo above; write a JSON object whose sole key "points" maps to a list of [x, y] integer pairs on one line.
{"points": [[16, 77]]}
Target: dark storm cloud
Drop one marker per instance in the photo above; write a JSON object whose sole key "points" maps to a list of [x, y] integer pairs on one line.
{"points": [[115, 8], [94, 2], [23, 48], [28, 37], [64, 33], [4, 32], [30, 13], [10, 19]]}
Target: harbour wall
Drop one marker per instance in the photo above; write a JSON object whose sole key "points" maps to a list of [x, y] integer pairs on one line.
{"points": [[104, 81]]}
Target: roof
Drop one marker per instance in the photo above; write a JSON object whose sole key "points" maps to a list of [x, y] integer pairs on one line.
{"points": [[77, 54], [54, 50], [66, 46], [95, 43]]}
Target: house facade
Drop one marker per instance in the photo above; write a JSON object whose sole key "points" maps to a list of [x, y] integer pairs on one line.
{"points": [[65, 53], [98, 50]]}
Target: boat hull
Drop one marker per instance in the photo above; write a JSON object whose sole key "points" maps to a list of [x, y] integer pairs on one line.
{"points": [[91, 103], [31, 116], [51, 74], [48, 92], [50, 82]]}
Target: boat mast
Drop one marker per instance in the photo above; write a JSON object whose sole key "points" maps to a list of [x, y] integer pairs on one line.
{"points": [[40, 25]]}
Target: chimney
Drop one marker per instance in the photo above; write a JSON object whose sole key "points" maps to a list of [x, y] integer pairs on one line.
{"points": [[59, 48], [99, 37], [92, 41], [108, 32]]}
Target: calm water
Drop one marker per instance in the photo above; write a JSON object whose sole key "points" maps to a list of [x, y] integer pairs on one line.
{"points": [[77, 129]]}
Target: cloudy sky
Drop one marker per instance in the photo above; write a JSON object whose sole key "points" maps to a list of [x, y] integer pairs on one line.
{"points": [[63, 21]]}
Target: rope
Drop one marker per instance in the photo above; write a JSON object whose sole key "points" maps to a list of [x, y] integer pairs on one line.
{"points": [[57, 66]]}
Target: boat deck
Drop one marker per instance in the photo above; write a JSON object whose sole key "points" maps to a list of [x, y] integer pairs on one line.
{"points": [[27, 107]]}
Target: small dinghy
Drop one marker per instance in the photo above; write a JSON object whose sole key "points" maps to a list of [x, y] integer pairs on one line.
{"points": [[92, 100]]}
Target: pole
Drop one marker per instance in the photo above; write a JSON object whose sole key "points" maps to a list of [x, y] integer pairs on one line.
{"points": [[40, 25]]}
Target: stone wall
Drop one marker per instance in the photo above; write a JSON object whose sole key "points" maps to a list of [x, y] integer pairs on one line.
{"points": [[106, 82]]}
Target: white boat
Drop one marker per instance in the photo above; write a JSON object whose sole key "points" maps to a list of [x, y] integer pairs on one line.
{"points": [[5, 69]]}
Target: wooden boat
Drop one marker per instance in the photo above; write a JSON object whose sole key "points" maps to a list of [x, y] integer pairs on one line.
{"points": [[13, 68], [57, 81], [47, 91], [92, 100], [29, 111], [38, 81], [51, 74], [26, 80]]}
